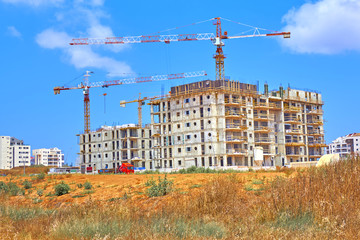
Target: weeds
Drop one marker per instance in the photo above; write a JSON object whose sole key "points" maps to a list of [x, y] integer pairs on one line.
{"points": [[61, 189], [87, 185], [40, 176], [27, 184], [40, 192], [161, 188]]}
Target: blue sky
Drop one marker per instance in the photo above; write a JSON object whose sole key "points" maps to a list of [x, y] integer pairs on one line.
{"points": [[323, 54]]}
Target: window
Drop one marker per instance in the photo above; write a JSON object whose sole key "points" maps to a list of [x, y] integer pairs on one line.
{"points": [[209, 122], [209, 109], [208, 96], [178, 138], [194, 99], [195, 136], [187, 124], [195, 148], [195, 112], [179, 150], [186, 100], [178, 114], [210, 147], [188, 149], [187, 112], [179, 162], [209, 134], [99, 135], [99, 145], [188, 136], [178, 126], [194, 123], [177, 102]]}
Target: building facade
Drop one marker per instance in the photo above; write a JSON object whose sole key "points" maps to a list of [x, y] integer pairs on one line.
{"points": [[228, 123], [52, 157], [109, 147], [345, 145], [14, 153]]}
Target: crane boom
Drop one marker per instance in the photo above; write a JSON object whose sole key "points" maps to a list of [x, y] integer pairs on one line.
{"points": [[86, 85], [215, 38], [132, 80]]}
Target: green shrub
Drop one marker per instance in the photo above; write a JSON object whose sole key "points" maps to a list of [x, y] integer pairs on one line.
{"points": [[79, 185], [40, 192], [4, 188], [27, 184], [162, 188], [40, 176], [87, 185], [14, 189], [61, 189]]}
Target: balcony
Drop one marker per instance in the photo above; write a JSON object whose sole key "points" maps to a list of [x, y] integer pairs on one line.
{"points": [[263, 117], [308, 100], [292, 120], [235, 127], [293, 132], [292, 109], [274, 106], [262, 129], [235, 139], [263, 140], [293, 143], [234, 101], [293, 154], [233, 113], [315, 132], [315, 122], [317, 144], [236, 152], [260, 105], [315, 112]]}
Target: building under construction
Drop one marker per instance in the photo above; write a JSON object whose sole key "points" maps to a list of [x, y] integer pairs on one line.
{"points": [[219, 123]]}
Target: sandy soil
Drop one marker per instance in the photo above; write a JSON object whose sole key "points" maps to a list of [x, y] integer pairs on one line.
{"points": [[109, 187]]}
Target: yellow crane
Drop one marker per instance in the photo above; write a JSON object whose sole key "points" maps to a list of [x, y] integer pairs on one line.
{"points": [[140, 102]]}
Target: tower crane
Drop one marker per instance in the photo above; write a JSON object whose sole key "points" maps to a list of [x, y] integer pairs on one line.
{"points": [[217, 40], [86, 85], [140, 102]]}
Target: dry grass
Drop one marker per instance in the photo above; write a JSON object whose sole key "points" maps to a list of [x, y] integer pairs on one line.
{"points": [[316, 203]]}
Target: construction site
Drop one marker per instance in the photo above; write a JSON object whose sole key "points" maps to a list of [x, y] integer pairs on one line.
{"points": [[218, 123]]}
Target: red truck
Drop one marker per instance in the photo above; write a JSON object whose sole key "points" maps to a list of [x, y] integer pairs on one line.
{"points": [[124, 168]]}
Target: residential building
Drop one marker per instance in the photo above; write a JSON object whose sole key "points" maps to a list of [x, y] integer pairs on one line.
{"points": [[52, 157], [228, 123], [345, 145], [14, 153], [109, 147]]}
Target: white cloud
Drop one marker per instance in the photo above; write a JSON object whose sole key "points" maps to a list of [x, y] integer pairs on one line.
{"points": [[325, 27], [52, 39], [81, 56], [12, 31], [34, 3]]}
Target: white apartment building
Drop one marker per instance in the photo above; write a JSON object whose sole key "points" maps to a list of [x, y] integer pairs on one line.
{"points": [[109, 147], [52, 157], [13, 153], [345, 145], [230, 124]]}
